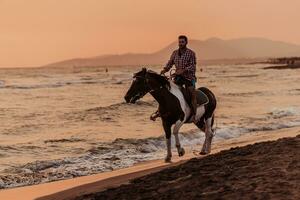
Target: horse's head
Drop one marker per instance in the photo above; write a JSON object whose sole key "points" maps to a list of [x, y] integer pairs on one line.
{"points": [[138, 88], [144, 82]]}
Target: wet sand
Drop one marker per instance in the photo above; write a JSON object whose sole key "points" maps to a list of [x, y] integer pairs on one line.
{"points": [[72, 188], [267, 170]]}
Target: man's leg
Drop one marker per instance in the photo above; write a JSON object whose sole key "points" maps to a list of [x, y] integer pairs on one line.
{"points": [[193, 103], [178, 80], [190, 86]]}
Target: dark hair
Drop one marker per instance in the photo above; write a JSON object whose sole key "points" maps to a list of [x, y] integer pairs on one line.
{"points": [[183, 37]]}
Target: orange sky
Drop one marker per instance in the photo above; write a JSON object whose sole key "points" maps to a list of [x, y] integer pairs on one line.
{"points": [[37, 32]]}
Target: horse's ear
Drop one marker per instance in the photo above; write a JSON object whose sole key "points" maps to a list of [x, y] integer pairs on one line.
{"points": [[144, 69]]}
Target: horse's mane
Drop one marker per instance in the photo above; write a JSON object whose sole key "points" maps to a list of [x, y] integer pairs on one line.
{"points": [[161, 79]]}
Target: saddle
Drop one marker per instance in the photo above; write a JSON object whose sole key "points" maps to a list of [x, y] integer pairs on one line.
{"points": [[201, 97]]}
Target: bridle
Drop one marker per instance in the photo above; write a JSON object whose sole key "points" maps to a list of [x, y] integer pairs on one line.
{"points": [[146, 83]]}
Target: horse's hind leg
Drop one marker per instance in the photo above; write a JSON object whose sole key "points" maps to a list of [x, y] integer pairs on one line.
{"points": [[176, 128], [208, 136]]}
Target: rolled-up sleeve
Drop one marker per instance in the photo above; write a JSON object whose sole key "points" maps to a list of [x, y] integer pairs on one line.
{"points": [[170, 62]]}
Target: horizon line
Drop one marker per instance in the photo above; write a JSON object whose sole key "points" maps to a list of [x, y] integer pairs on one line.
{"points": [[120, 54]]}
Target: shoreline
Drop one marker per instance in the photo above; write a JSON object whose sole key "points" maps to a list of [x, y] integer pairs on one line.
{"points": [[220, 61], [71, 188], [264, 170]]}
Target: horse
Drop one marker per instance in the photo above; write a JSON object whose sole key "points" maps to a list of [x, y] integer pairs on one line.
{"points": [[173, 107]]}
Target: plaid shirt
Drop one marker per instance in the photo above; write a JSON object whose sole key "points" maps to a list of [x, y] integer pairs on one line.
{"points": [[186, 61]]}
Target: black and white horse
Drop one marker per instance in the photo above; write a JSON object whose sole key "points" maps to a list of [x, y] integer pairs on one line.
{"points": [[173, 108]]}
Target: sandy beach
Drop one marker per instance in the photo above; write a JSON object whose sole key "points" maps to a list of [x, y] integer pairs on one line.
{"points": [[267, 170], [72, 188]]}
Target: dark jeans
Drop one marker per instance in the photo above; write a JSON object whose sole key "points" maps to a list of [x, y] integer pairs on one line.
{"points": [[188, 85], [179, 80], [190, 91]]}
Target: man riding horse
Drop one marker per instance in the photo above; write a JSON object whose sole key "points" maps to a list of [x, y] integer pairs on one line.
{"points": [[173, 102], [184, 60]]}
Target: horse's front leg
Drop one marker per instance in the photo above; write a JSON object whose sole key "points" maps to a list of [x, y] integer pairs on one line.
{"points": [[176, 128], [167, 129]]}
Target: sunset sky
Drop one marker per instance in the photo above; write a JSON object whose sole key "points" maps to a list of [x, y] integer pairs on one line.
{"points": [[37, 32]]}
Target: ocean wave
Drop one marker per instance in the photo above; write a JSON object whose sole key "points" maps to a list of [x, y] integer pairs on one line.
{"points": [[249, 94], [284, 112], [239, 76], [110, 113], [51, 85], [62, 83], [120, 106], [102, 157], [64, 140], [19, 148], [225, 133], [278, 118], [105, 157], [122, 153]]}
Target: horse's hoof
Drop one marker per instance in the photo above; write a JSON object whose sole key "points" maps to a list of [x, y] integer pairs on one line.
{"points": [[203, 153], [181, 152], [168, 159]]}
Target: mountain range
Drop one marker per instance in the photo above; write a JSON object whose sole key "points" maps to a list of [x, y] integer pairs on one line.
{"points": [[210, 49]]}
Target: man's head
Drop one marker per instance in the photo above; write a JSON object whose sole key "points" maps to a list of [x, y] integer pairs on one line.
{"points": [[182, 41]]}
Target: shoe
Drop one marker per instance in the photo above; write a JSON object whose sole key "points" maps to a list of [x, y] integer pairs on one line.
{"points": [[154, 115]]}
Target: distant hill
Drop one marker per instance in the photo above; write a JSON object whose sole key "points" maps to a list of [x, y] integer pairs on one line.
{"points": [[210, 49]]}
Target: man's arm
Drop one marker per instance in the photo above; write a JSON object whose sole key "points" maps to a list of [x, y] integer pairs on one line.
{"points": [[169, 64]]}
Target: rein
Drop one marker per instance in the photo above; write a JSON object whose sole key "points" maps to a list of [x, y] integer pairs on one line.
{"points": [[154, 90], [172, 74], [146, 81]]}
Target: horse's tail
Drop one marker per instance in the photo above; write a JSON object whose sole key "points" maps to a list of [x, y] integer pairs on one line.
{"points": [[212, 125], [201, 124], [212, 104], [212, 120]]}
